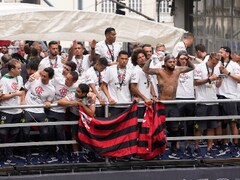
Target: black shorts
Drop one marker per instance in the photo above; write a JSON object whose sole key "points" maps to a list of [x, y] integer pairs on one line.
{"points": [[227, 108], [74, 128], [206, 110], [172, 111]]}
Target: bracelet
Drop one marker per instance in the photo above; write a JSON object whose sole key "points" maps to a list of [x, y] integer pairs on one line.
{"points": [[229, 73]]}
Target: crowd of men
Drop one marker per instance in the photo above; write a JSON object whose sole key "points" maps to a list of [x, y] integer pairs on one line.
{"points": [[34, 75]]}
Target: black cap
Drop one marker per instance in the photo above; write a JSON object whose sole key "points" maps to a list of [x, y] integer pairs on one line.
{"points": [[227, 49]]}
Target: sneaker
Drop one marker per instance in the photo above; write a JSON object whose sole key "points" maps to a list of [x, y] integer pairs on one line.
{"points": [[42, 159], [174, 154], [83, 158], [209, 154], [188, 152], [28, 160], [11, 161], [64, 158], [235, 152], [75, 157], [224, 149], [51, 159], [197, 153]]}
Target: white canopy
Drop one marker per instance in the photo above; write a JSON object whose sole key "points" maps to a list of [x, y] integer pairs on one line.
{"points": [[35, 22]]}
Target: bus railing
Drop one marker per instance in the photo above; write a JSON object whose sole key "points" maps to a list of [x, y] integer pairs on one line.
{"points": [[45, 143]]}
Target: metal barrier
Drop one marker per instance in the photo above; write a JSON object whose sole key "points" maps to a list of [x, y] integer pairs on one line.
{"points": [[44, 143]]}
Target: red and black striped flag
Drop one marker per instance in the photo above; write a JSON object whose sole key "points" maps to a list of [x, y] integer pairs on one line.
{"points": [[151, 139], [120, 135], [112, 137]]}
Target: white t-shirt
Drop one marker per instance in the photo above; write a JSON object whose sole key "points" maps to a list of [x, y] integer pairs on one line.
{"points": [[142, 80], [118, 83], [54, 63], [9, 85], [185, 87], [108, 50], [37, 94], [205, 91], [61, 90], [95, 77], [82, 64], [228, 86], [180, 46]]}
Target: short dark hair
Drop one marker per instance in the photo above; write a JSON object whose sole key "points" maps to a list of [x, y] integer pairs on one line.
{"points": [[72, 65], [84, 88], [123, 52], [135, 55], [52, 43], [33, 64], [146, 45], [6, 58], [188, 35], [200, 47], [50, 72], [12, 64], [74, 75], [103, 61], [180, 53], [109, 29]]}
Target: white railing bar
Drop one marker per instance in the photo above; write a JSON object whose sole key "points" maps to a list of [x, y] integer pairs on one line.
{"points": [[46, 143], [168, 119], [202, 118], [127, 104], [40, 143], [179, 101], [39, 124], [202, 137]]}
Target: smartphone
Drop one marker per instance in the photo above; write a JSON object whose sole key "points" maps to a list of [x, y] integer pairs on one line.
{"points": [[222, 75]]}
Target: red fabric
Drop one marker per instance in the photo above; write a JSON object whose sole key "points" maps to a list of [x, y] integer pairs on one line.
{"points": [[120, 135], [110, 137], [152, 139]]}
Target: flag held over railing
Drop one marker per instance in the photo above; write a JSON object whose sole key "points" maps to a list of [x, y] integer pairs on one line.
{"points": [[151, 137], [120, 135]]}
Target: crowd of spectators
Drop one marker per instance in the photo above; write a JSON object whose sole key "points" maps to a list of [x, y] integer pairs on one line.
{"points": [[34, 73]]}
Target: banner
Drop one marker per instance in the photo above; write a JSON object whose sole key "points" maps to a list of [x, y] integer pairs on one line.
{"points": [[119, 136]]}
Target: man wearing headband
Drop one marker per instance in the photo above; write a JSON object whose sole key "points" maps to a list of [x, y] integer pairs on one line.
{"points": [[167, 86]]}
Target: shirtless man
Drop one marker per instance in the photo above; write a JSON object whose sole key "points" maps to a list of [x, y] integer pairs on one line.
{"points": [[167, 86]]}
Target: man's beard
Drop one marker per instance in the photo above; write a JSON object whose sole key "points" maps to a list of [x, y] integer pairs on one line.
{"points": [[170, 68]]}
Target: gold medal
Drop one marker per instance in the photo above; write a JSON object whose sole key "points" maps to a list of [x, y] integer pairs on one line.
{"points": [[209, 85]]}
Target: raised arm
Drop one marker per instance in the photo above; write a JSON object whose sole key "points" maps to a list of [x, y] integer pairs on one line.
{"points": [[190, 67], [148, 70]]}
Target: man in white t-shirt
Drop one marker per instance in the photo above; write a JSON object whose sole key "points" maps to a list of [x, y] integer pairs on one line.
{"points": [[185, 91], [187, 41], [116, 83], [53, 60], [108, 48], [141, 83], [11, 86], [82, 61], [94, 77], [81, 97], [228, 89], [63, 86], [40, 91], [201, 53], [206, 80]]}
